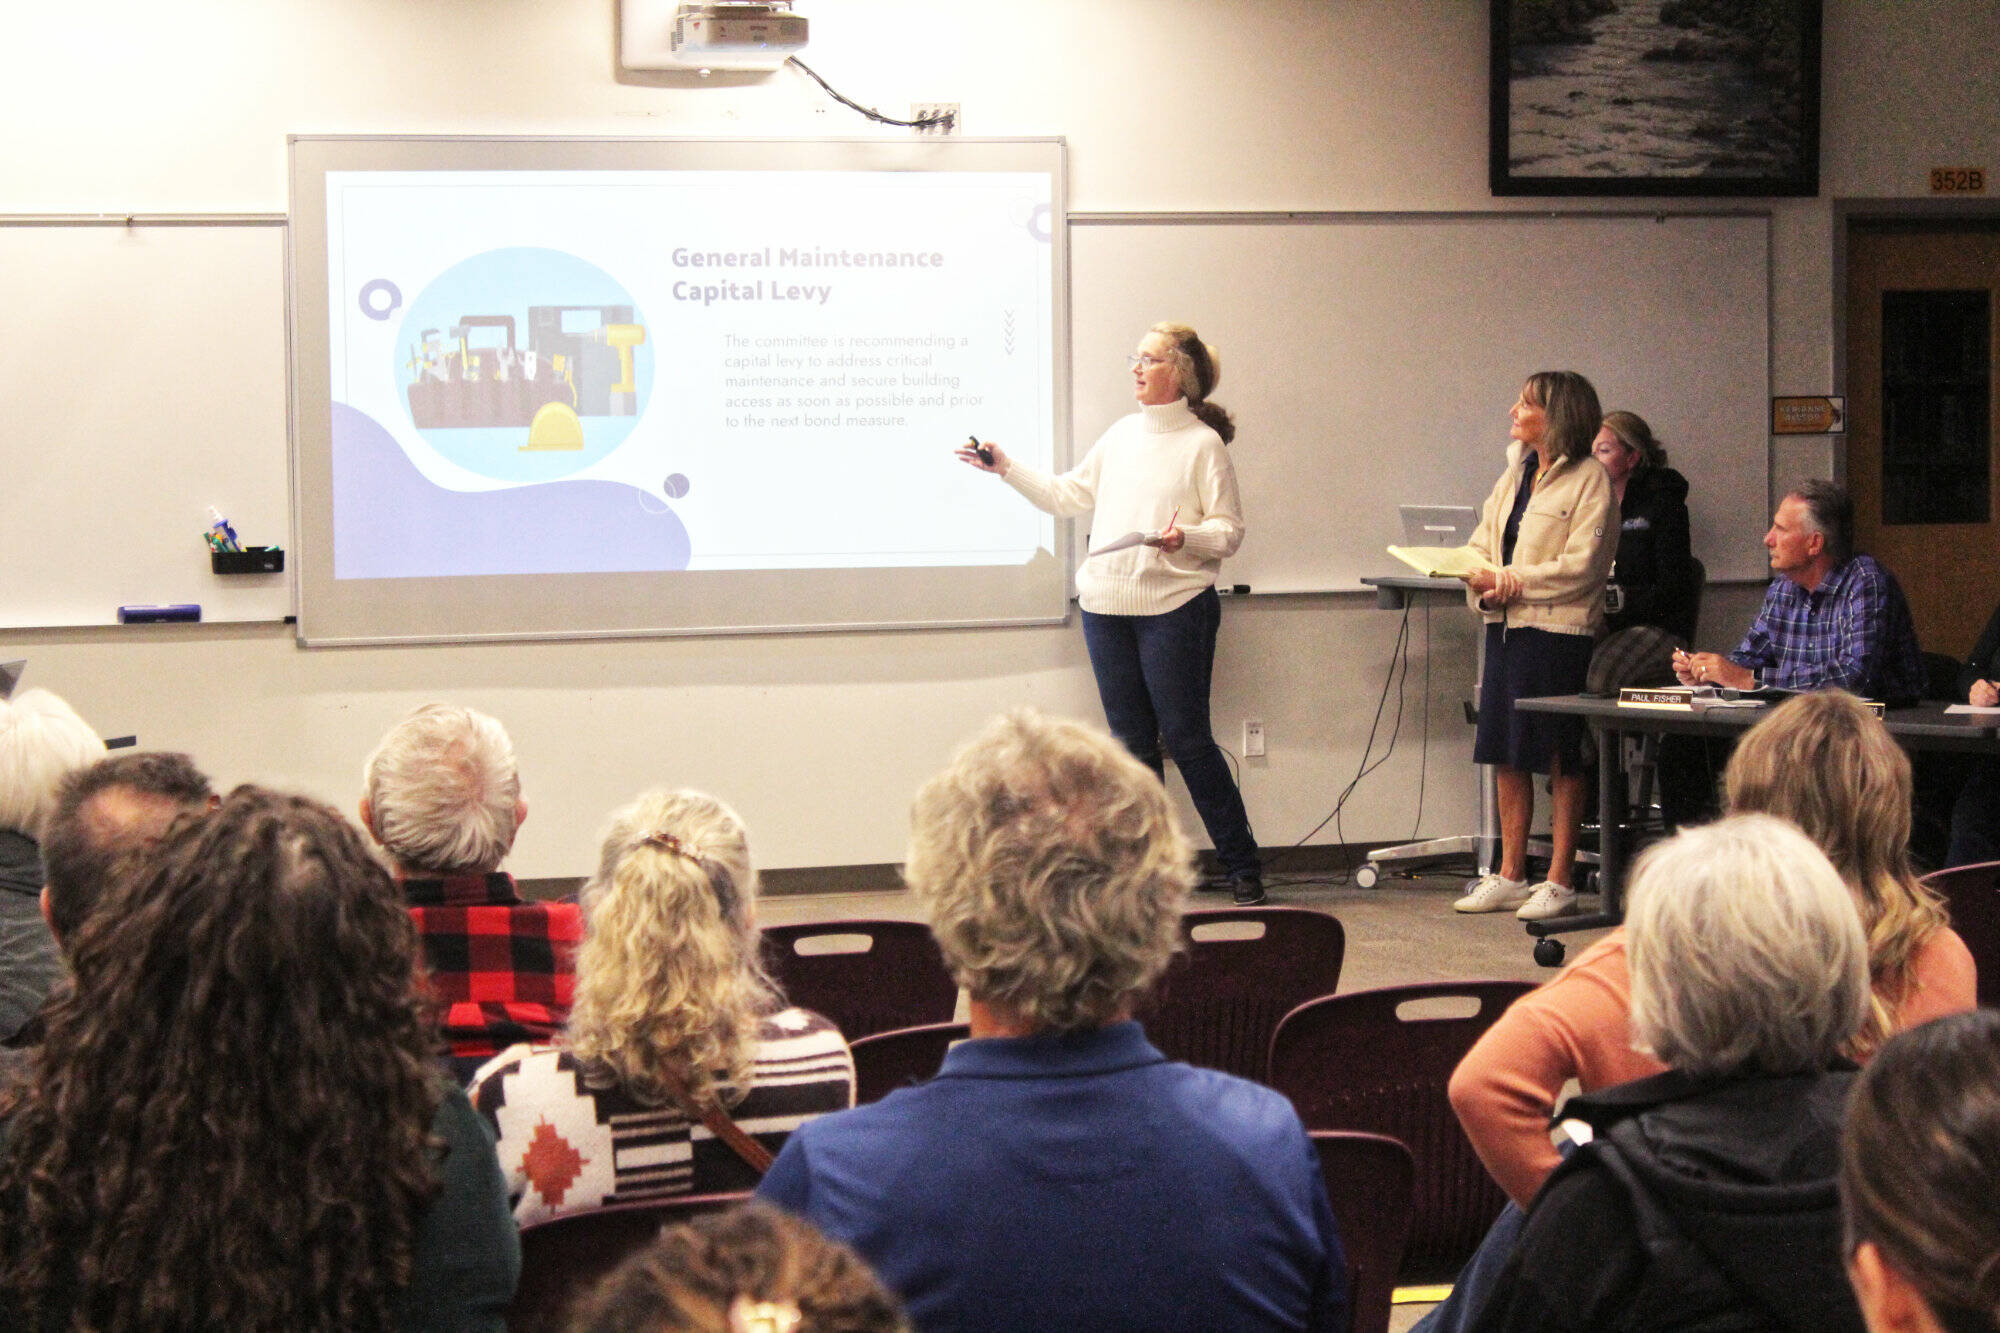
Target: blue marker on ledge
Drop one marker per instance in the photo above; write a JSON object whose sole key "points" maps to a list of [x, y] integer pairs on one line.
{"points": [[143, 614]]}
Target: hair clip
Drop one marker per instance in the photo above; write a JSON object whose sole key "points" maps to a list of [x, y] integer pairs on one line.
{"points": [[748, 1316], [668, 842]]}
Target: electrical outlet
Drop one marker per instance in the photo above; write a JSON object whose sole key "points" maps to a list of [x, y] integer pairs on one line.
{"points": [[1253, 740], [931, 110]]}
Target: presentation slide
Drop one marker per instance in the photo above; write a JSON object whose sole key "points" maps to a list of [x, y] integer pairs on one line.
{"points": [[561, 372]]}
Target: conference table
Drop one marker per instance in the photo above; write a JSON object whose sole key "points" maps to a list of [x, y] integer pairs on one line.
{"points": [[1922, 727]]}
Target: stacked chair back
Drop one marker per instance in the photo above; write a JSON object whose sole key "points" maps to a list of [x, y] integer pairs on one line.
{"points": [[565, 1257], [1244, 968], [1354, 1062], [1688, 629], [1369, 1181], [867, 976], [1973, 894], [886, 1061]]}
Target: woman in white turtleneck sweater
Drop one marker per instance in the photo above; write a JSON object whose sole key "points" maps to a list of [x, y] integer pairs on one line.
{"points": [[1150, 612]]}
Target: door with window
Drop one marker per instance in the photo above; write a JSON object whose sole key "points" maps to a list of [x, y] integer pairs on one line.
{"points": [[1922, 299]]}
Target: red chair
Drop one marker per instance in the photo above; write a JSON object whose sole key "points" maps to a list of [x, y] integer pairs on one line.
{"points": [[1370, 1181], [1973, 894], [1244, 968], [1355, 1062], [565, 1257], [886, 1061], [867, 976]]}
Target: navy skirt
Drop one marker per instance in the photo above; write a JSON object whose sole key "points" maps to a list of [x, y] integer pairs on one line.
{"points": [[1524, 664]]}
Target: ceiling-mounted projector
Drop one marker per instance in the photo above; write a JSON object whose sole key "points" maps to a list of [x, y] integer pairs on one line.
{"points": [[725, 34]]}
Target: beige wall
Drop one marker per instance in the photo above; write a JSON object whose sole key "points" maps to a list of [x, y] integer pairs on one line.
{"points": [[1166, 104]]}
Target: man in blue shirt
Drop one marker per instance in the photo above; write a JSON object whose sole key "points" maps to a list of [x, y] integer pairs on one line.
{"points": [[1830, 617], [1059, 1172]]}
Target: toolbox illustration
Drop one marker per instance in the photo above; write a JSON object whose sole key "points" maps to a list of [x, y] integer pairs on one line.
{"points": [[474, 374]]}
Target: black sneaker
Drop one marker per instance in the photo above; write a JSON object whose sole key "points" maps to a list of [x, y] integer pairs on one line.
{"points": [[1247, 886]]}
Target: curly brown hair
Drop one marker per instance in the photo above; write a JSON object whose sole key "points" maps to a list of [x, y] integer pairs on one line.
{"points": [[229, 1125], [719, 1273]]}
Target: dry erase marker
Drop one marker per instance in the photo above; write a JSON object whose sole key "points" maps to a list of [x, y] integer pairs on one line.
{"points": [[221, 530], [985, 454]]}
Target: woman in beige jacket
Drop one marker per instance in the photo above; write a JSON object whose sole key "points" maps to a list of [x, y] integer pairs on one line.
{"points": [[1548, 535]]}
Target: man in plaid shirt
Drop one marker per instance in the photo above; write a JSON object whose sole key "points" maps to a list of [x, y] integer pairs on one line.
{"points": [[443, 798], [1830, 618]]}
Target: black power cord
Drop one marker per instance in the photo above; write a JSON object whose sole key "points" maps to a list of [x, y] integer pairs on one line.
{"points": [[1398, 676], [944, 122]]}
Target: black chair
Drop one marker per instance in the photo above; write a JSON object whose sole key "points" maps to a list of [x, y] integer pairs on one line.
{"points": [[1636, 655], [886, 1061], [1972, 893], [1244, 968], [1941, 678], [565, 1257], [1937, 777], [1371, 1182], [1357, 1062], [867, 976], [1689, 627]]}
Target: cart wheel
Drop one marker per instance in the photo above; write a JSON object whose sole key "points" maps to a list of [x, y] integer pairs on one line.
{"points": [[1549, 951], [1367, 875]]}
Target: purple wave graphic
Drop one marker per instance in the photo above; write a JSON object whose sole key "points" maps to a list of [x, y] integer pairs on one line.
{"points": [[389, 522]]}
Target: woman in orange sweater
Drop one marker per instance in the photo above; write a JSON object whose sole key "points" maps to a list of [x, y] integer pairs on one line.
{"points": [[1827, 764]]}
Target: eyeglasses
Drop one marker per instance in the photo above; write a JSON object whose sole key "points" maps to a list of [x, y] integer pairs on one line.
{"points": [[1146, 359]]}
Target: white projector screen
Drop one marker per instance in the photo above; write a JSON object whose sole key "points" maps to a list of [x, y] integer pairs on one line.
{"points": [[555, 388]]}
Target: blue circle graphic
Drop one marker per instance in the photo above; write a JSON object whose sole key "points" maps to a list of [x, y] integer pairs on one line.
{"points": [[390, 298], [524, 364]]}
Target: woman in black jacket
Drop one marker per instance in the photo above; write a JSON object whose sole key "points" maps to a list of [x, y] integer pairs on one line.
{"points": [[1651, 583], [1650, 606]]}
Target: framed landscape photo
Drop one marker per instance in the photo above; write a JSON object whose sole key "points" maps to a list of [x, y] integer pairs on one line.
{"points": [[1655, 97]]}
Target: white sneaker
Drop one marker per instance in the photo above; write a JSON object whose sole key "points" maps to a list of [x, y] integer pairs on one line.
{"points": [[1493, 893], [1548, 900]]}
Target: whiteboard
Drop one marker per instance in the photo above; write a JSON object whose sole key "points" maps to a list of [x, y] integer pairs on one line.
{"points": [[144, 381], [1370, 359]]}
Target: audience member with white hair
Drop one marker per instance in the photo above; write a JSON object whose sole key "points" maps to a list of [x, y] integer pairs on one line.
{"points": [[41, 740], [1706, 1197], [676, 1025], [1827, 764], [1060, 1172], [1920, 1179], [442, 796]]}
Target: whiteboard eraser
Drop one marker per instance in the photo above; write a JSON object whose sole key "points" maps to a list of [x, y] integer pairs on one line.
{"points": [[153, 615]]}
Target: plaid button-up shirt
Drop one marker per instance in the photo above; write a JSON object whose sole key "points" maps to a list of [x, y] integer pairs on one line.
{"points": [[1852, 631], [503, 970]]}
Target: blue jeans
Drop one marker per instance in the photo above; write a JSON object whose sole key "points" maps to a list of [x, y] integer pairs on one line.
{"points": [[1481, 1273], [1479, 1276], [1153, 676]]}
